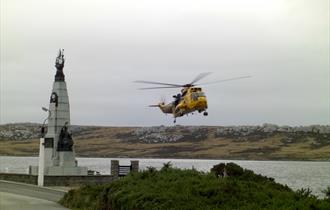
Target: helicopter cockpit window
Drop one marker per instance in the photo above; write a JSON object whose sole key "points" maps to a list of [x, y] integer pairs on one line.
{"points": [[201, 94], [194, 96]]}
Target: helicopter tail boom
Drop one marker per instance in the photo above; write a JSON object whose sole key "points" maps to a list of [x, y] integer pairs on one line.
{"points": [[167, 109]]}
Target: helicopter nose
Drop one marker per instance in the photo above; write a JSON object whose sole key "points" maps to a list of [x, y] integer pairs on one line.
{"points": [[202, 102]]}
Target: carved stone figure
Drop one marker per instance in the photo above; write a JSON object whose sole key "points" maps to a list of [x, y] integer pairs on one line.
{"points": [[54, 98], [59, 64], [65, 141]]}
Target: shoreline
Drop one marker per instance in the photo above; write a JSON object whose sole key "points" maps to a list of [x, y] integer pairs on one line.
{"points": [[180, 158]]}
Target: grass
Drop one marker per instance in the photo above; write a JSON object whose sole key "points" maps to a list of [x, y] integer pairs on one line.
{"points": [[104, 142], [177, 189], [19, 148]]}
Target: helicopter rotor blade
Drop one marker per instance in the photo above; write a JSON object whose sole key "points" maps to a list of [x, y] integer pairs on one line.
{"points": [[157, 83], [150, 88], [199, 77], [224, 80]]}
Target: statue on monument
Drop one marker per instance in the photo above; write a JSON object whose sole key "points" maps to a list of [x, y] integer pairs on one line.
{"points": [[59, 64], [65, 141]]}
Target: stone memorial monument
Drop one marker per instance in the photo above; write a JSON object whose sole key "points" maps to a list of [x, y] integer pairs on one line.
{"points": [[57, 144]]}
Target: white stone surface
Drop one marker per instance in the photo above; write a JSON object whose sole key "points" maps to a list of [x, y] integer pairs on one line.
{"points": [[62, 171], [63, 162], [48, 156], [59, 117], [67, 159], [41, 169]]}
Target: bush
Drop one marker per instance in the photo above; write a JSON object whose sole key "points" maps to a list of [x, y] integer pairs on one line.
{"points": [[167, 165], [327, 192], [172, 188], [304, 192], [219, 169], [233, 169]]}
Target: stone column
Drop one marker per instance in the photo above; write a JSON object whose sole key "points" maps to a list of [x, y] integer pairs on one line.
{"points": [[134, 166], [41, 169], [115, 168]]}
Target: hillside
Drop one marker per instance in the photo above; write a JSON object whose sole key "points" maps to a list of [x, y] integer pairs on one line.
{"points": [[266, 142]]}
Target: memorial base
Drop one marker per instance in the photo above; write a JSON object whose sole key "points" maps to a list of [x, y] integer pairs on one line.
{"points": [[60, 171], [67, 159]]}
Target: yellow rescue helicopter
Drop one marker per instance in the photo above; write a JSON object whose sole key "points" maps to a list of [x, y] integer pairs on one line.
{"points": [[191, 98]]}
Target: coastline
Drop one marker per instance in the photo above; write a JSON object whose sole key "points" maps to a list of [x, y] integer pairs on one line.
{"points": [[180, 158]]}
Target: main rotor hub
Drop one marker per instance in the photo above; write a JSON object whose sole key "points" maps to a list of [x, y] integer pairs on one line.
{"points": [[188, 85]]}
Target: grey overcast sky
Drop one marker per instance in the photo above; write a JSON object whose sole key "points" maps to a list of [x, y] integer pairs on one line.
{"points": [[283, 44]]}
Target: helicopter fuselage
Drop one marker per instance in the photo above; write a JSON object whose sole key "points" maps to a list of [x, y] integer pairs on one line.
{"points": [[192, 99]]}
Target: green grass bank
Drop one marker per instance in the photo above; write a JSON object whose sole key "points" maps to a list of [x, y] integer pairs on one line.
{"points": [[225, 187]]}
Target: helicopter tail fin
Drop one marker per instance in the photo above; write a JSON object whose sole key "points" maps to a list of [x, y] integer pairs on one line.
{"points": [[154, 105]]}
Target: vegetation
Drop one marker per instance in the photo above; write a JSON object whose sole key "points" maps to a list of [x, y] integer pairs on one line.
{"points": [[199, 142], [327, 192], [172, 188]]}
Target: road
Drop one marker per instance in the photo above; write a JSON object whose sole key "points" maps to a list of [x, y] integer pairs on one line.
{"points": [[15, 195]]}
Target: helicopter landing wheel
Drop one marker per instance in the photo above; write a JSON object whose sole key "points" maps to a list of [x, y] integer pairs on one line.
{"points": [[174, 120], [205, 113]]}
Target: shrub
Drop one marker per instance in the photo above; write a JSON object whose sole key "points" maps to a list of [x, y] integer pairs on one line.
{"points": [[304, 192], [219, 169], [167, 165], [233, 169], [327, 192], [177, 189]]}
